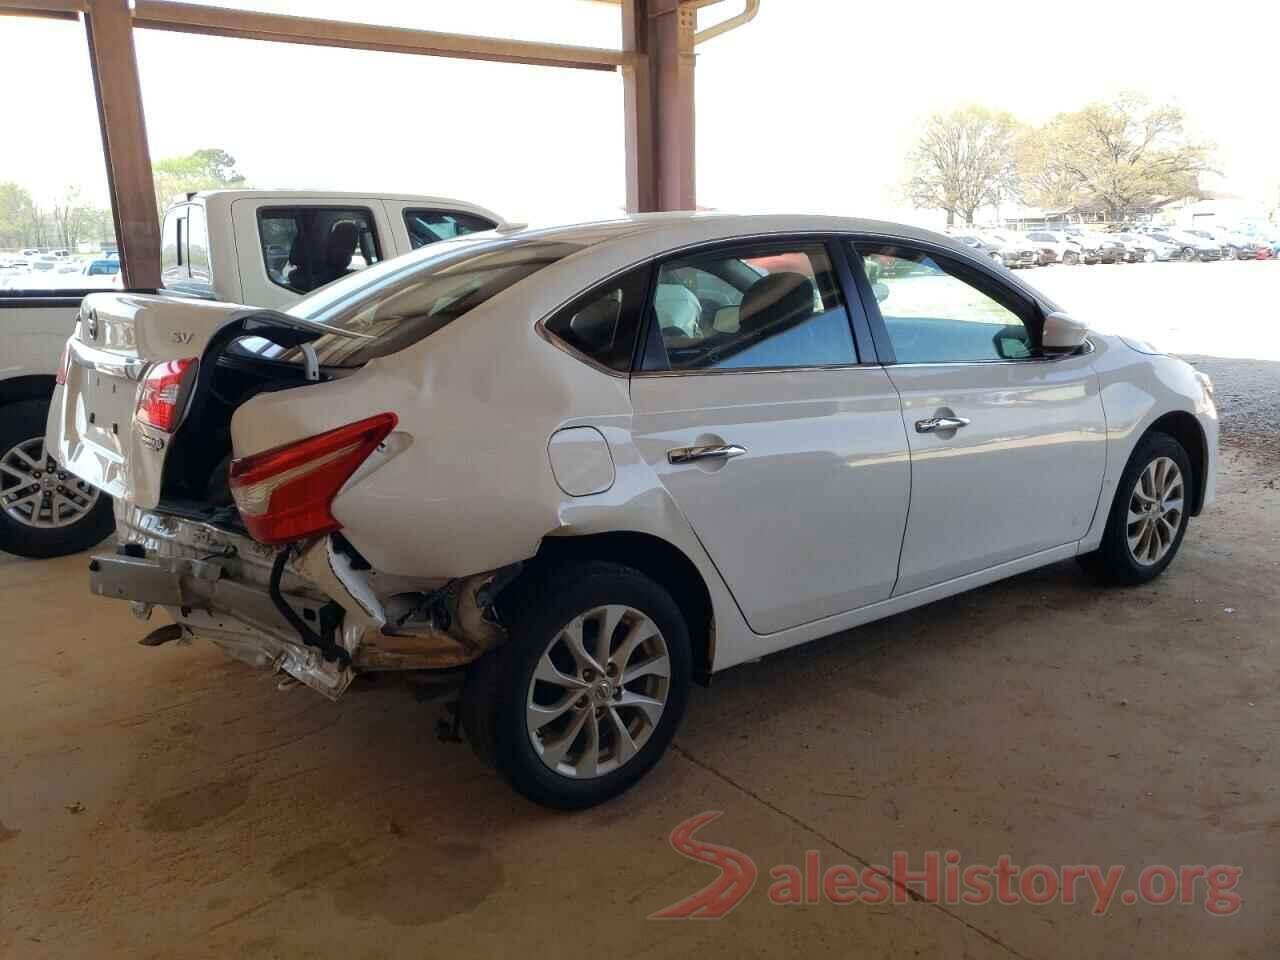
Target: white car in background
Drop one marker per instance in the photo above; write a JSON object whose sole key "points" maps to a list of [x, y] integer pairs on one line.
{"points": [[595, 463], [1055, 247]]}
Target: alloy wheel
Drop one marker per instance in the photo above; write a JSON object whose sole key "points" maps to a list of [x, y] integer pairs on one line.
{"points": [[36, 491], [598, 692], [1155, 511]]}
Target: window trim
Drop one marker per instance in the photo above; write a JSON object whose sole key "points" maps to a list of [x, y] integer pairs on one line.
{"points": [[1033, 320], [781, 242], [261, 213]]}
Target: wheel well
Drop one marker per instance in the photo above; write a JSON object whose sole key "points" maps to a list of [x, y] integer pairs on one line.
{"points": [[657, 559], [1184, 428], [32, 387]]}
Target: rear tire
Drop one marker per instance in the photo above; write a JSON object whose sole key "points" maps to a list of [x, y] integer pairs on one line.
{"points": [[1141, 539], [35, 495], [553, 711]]}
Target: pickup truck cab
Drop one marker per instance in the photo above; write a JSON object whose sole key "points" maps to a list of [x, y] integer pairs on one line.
{"points": [[266, 248]]}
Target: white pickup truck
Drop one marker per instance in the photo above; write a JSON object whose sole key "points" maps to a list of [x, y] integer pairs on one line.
{"points": [[264, 248]]}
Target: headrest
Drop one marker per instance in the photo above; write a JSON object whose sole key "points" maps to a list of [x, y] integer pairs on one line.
{"points": [[778, 300]]}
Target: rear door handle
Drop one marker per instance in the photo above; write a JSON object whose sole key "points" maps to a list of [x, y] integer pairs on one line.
{"points": [[932, 424], [726, 451]]}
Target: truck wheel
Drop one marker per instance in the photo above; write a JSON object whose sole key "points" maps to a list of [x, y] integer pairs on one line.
{"points": [[44, 510], [1148, 516], [586, 694]]}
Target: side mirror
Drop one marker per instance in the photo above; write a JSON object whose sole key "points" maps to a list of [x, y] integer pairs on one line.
{"points": [[1062, 334], [881, 291]]}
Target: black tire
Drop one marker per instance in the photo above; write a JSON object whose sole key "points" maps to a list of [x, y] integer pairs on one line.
{"points": [[1113, 562], [497, 687], [1189, 254], [20, 422], [1070, 259]]}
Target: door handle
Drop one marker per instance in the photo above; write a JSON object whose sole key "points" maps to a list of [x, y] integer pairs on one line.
{"points": [[931, 424], [717, 451]]}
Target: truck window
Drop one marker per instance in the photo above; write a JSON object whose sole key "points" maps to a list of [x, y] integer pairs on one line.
{"points": [[198, 245], [173, 265], [304, 248], [428, 226]]}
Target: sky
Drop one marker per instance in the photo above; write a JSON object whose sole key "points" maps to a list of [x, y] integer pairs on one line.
{"points": [[811, 107]]}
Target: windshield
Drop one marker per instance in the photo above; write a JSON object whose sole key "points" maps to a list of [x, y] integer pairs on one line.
{"points": [[413, 300]]}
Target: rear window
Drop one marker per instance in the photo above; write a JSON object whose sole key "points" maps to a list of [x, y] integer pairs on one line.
{"points": [[432, 226], [413, 303]]}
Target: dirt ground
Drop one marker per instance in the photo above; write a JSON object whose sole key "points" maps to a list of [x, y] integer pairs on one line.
{"points": [[171, 802]]}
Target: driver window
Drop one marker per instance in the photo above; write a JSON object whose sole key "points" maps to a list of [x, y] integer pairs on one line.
{"points": [[934, 312], [758, 307]]}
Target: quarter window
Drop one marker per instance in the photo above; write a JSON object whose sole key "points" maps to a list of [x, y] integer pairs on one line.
{"points": [[428, 226], [602, 323], [304, 248], [938, 311], [753, 307]]}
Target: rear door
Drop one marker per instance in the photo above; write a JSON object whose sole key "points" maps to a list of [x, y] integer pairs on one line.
{"points": [[287, 248], [787, 455], [1008, 447]]}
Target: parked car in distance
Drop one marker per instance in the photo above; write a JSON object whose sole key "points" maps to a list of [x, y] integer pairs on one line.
{"points": [[268, 248], [981, 244], [1055, 247], [1149, 248], [1191, 246], [1015, 251], [516, 452]]}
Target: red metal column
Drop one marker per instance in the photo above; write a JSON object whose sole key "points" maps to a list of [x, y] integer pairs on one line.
{"points": [[109, 26]]}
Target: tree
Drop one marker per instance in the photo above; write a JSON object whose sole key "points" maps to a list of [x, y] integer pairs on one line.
{"points": [[1123, 154], [73, 219], [208, 169], [963, 161], [17, 216]]}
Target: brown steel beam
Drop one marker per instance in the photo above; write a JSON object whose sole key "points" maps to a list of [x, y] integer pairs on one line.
{"points": [[124, 140], [658, 100], [47, 9], [250, 25]]}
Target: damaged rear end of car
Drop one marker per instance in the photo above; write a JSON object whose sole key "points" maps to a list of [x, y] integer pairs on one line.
{"points": [[231, 529]]}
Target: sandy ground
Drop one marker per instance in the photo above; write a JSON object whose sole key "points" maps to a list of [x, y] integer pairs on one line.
{"points": [[171, 802]]}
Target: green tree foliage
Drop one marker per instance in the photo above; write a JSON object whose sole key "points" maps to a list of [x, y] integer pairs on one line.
{"points": [[208, 169], [963, 161], [1122, 154], [19, 217]]}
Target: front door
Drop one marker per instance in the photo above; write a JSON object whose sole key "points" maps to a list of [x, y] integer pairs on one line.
{"points": [[1008, 446], [787, 457]]}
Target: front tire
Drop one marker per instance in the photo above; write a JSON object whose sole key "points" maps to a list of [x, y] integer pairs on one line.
{"points": [[44, 510], [1189, 254], [1149, 514], [587, 692]]}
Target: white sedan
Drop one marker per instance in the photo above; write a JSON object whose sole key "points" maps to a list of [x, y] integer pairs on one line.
{"points": [[596, 463]]}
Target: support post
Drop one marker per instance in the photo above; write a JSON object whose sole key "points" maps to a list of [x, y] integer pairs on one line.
{"points": [[109, 26], [659, 107]]}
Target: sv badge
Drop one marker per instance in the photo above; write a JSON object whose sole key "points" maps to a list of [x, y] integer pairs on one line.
{"points": [[182, 336]]}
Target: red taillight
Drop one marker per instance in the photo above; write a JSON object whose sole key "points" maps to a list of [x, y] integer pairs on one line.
{"points": [[64, 364], [285, 493], [161, 392]]}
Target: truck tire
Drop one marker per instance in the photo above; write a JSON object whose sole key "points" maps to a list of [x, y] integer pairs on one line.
{"points": [[44, 510], [587, 692]]}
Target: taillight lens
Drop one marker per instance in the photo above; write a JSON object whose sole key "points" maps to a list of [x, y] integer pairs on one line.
{"points": [[161, 393], [64, 364], [285, 494]]}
